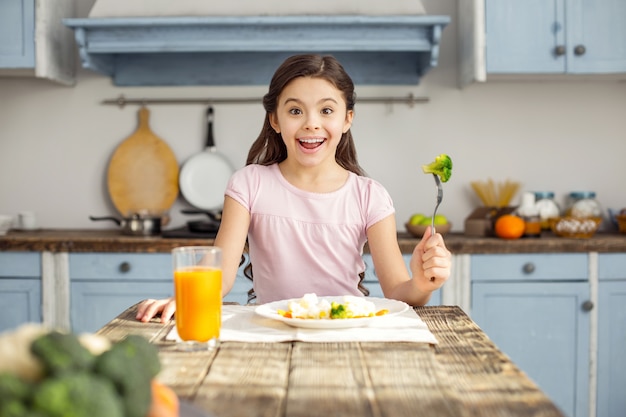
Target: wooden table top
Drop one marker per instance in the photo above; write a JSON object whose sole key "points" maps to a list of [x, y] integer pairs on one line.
{"points": [[464, 375]]}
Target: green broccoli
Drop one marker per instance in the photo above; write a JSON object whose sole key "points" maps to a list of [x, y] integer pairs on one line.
{"points": [[78, 394], [441, 166], [338, 311], [62, 353], [12, 387], [131, 364]]}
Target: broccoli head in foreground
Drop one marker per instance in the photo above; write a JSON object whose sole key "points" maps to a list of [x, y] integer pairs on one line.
{"points": [[78, 394], [131, 364], [76, 382], [61, 353], [441, 166]]}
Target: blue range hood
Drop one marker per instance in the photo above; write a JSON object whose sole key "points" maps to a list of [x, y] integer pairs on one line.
{"points": [[245, 50]]}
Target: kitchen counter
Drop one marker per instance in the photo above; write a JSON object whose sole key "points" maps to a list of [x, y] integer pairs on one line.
{"points": [[100, 240]]}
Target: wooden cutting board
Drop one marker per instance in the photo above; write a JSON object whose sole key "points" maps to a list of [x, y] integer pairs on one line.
{"points": [[143, 172]]}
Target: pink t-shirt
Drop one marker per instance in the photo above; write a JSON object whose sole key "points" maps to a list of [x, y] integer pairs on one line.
{"points": [[302, 242]]}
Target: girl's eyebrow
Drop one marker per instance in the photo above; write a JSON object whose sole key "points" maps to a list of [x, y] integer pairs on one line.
{"points": [[297, 101]]}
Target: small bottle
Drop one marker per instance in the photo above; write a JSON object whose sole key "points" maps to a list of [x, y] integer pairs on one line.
{"points": [[547, 208], [530, 214], [583, 204]]}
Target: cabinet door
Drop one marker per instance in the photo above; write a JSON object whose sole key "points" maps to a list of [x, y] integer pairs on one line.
{"points": [[599, 28], [17, 31], [20, 288], [611, 348], [21, 302], [611, 335], [95, 303], [371, 280], [522, 36], [542, 328]]}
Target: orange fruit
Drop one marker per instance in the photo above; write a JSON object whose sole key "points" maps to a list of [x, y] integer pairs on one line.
{"points": [[509, 226], [165, 402]]}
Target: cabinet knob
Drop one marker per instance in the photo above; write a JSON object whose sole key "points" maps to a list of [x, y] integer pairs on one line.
{"points": [[124, 267], [587, 306], [528, 268], [559, 50], [579, 50]]}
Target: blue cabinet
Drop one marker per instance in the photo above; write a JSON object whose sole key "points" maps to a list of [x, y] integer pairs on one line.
{"points": [[17, 31], [513, 38], [556, 36], [611, 335], [34, 42], [104, 284], [512, 298], [20, 288], [371, 280]]}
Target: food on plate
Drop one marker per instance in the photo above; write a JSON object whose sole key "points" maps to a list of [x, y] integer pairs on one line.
{"points": [[51, 373], [441, 166], [312, 307]]}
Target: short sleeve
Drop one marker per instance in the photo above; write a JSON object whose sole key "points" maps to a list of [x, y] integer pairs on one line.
{"points": [[379, 204]]}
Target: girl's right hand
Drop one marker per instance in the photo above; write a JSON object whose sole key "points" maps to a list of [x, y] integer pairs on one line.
{"points": [[149, 308]]}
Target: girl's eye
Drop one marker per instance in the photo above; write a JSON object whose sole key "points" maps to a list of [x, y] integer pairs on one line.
{"points": [[327, 110], [295, 111]]}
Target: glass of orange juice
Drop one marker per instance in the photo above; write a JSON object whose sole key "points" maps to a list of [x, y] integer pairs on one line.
{"points": [[198, 293]]}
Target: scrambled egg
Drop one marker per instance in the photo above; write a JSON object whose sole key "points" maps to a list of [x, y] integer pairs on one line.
{"points": [[312, 307]]}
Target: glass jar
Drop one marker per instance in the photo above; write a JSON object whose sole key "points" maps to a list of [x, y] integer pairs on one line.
{"points": [[530, 214], [547, 207], [582, 204]]}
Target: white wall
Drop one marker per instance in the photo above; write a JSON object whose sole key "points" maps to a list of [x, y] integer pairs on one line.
{"points": [[55, 141]]}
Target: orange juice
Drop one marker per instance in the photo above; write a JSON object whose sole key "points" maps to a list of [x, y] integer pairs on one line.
{"points": [[198, 292]]}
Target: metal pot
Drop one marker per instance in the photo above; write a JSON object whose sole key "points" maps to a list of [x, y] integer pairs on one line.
{"points": [[136, 225]]}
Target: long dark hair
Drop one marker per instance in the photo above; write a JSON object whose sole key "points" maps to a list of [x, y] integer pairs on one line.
{"points": [[269, 147]]}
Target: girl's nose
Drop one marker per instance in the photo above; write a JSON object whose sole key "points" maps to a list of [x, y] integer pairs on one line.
{"points": [[312, 122]]}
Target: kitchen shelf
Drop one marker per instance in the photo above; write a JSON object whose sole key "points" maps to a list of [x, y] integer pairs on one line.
{"points": [[245, 50]]}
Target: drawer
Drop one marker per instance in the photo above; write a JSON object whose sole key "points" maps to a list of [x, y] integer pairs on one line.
{"points": [[612, 266], [122, 266], [20, 264], [530, 267]]}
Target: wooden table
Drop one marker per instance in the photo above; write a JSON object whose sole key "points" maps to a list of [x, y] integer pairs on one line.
{"points": [[464, 375]]}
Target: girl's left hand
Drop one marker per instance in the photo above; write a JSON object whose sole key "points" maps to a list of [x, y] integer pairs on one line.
{"points": [[431, 261]]}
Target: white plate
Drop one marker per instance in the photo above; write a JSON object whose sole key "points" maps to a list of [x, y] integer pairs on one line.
{"points": [[270, 310]]}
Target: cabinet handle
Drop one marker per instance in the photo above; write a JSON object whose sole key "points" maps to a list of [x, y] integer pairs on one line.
{"points": [[124, 267], [559, 50], [528, 268], [579, 50], [587, 306]]}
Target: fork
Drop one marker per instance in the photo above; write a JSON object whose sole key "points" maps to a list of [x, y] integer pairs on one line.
{"points": [[439, 198]]}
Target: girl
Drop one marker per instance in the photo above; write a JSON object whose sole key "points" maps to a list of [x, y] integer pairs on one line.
{"points": [[305, 206]]}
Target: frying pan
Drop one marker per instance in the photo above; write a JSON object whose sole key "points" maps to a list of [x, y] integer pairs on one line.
{"points": [[204, 176]]}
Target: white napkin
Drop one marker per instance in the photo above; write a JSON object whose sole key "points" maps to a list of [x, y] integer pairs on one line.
{"points": [[242, 324]]}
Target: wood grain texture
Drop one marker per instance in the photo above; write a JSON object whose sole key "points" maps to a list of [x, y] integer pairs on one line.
{"points": [[75, 240], [143, 172], [464, 375]]}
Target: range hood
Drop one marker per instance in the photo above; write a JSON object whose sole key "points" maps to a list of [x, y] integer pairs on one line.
{"points": [[245, 50]]}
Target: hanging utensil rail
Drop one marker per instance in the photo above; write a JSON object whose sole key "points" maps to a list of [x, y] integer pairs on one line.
{"points": [[410, 100]]}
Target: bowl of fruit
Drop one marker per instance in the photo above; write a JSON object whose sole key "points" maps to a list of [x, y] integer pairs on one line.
{"points": [[418, 223]]}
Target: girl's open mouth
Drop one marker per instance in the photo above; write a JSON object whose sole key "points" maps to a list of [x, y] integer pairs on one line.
{"points": [[311, 143]]}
